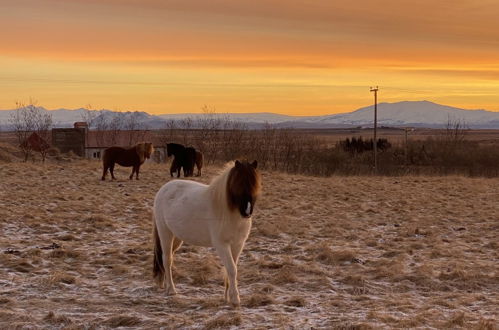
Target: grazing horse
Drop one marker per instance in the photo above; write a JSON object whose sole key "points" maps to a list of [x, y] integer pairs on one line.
{"points": [[183, 158], [216, 215], [199, 162], [134, 156]]}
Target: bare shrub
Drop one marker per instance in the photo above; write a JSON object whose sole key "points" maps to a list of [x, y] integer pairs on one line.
{"points": [[29, 119], [224, 321], [122, 321], [296, 301], [259, 299], [221, 139]]}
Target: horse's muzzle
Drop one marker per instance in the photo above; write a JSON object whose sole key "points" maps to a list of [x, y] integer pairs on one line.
{"points": [[246, 212]]}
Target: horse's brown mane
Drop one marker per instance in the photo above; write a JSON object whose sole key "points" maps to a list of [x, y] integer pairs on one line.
{"points": [[144, 150], [243, 179]]}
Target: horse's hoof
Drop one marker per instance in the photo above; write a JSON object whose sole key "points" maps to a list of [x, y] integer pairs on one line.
{"points": [[235, 304], [171, 292]]}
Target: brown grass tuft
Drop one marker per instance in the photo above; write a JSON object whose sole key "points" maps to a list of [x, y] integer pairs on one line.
{"points": [[64, 253], [202, 271], [296, 301], [53, 318], [224, 321], [122, 321], [285, 275], [259, 299], [486, 324], [326, 255]]}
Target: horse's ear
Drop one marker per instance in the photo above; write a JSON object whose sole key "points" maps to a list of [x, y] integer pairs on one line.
{"points": [[238, 164], [254, 164]]}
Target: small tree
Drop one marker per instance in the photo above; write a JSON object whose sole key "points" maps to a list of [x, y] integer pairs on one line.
{"points": [[26, 120], [114, 125], [43, 123], [89, 116], [136, 130]]}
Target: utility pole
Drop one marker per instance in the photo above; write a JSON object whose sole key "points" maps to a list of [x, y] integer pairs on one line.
{"points": [[406, 152], [375, 147]]}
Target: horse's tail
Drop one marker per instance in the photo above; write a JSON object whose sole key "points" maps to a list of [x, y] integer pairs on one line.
{"points": [[158, 267]]}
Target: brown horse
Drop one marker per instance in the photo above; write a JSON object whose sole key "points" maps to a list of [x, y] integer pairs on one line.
{"points": [[134, 156]]}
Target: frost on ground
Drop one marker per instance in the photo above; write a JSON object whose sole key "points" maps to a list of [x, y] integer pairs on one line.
{"points": [[339, 252]]}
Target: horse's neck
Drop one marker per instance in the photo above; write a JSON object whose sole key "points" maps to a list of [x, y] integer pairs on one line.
{"points": [[218, 194]]}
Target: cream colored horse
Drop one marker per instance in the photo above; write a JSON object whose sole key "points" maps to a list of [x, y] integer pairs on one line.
{"points": [[216, 215]]}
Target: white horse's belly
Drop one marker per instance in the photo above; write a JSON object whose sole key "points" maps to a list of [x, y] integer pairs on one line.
{"points": [[189, 227], [184, 209]]}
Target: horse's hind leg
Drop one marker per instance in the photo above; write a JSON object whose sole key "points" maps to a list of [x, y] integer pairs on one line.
{"points": [[111, 170], [167, 239]]}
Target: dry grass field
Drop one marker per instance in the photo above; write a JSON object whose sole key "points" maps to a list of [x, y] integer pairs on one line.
{"points": [[329, 253]]}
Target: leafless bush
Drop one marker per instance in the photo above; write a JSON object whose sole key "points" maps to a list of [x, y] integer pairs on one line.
{"points": [[90, 116], [110, 126], [29, 119], [295, 151], [455, 132]]}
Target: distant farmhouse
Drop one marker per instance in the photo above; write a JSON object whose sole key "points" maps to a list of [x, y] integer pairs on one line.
{"points": [[91, 144]]}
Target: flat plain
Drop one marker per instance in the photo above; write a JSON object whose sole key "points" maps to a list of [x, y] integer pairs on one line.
{"points": [[344, 252]]}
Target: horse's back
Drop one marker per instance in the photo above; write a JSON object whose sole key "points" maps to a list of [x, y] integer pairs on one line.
{"points": [[122, 156], [111, 153], [186, 211]]}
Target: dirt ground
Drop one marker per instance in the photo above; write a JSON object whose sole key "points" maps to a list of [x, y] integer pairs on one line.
{"points": [[332, 253]]}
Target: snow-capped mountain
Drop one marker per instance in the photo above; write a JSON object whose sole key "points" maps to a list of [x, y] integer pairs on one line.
{"points": [[420, 113], [407, 113]]}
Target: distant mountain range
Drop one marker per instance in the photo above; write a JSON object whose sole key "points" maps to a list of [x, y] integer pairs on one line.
{"points": [[400, 114]]}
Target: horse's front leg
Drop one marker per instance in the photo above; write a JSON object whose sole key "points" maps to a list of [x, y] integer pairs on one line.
{"points": [[104, 172], [235, 251], [225, 254], [137, 172], [133, 171]]}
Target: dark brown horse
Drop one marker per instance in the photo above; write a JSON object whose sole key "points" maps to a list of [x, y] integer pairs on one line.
{"points": [[134, 156], [183, 158]]}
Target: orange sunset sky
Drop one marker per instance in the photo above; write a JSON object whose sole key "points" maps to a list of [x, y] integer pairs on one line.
{"points": [[285, 56]]}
